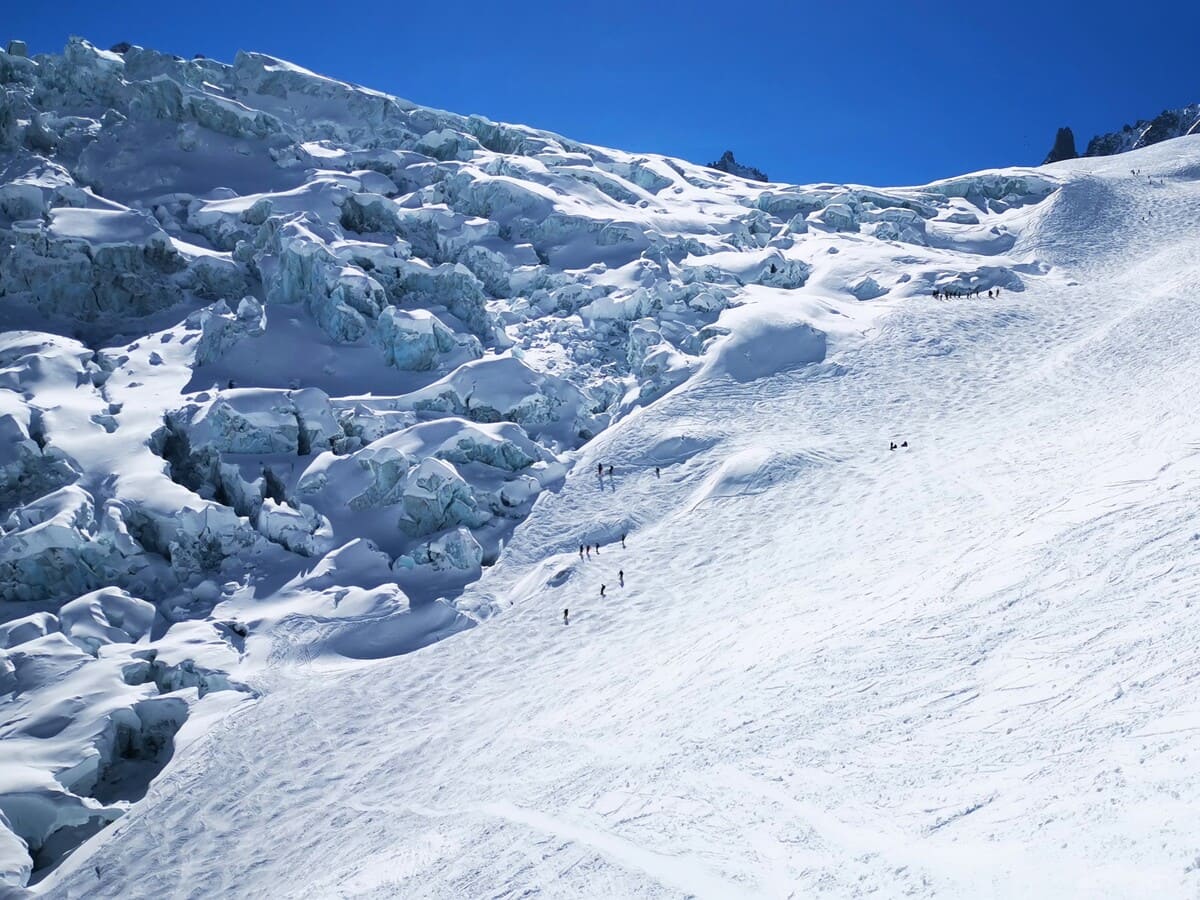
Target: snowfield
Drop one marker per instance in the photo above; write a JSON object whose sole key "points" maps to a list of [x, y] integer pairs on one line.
{"points": [[303, 394]]}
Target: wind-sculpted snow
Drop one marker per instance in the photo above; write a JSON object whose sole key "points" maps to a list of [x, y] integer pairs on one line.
{"points": [[287, 364]]}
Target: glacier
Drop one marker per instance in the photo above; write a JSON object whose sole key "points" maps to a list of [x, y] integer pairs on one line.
{"points": [[319, 407]]}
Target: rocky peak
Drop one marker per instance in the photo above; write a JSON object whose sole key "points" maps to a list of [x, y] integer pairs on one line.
{"points": [[1064, 147], [728, 164]]}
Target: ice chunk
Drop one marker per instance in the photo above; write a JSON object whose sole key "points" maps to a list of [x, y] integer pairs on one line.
{"points": [[416, 339], [837, 217], [263, 421], [455, 550], [89, 263], [29, 466], [867, 288], [106, 616], [221, 329], [300, 529], [27, 628], [436, 497], [503, 387], [503, 445]]}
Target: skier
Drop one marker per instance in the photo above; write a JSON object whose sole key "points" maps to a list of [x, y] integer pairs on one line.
{"points": [[601, 590], [610, 471], [597, 549], [588, 548], [566, 617], [657, 472], [622, 541], [599, 470], [891, 445], [621, 577], [905, 444], [581, 551]]}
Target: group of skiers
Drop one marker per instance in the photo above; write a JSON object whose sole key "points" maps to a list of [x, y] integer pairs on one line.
{"points": [[586, 550], [955, 293], [895, 446]]}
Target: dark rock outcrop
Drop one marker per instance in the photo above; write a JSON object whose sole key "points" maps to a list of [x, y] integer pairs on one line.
{"points": [[728, 164], [1064, 147], [1170, 123]]}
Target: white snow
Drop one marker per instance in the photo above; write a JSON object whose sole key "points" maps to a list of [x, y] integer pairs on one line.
{"points": [[302, 401]]}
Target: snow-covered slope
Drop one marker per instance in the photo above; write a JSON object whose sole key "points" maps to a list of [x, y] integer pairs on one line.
{"points": [[304, 391]]}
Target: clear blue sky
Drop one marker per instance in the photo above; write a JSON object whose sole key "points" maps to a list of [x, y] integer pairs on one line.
{"points": [[866, 91]]}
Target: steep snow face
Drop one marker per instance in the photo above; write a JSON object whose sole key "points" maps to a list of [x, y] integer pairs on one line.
{"points": [[296, 376]]}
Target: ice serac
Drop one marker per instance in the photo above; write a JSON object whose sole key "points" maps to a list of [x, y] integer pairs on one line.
{"points": [[222, 329], [416, 340]]}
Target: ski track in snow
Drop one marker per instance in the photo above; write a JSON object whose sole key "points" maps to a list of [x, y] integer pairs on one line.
{"points": [[964, 668]]}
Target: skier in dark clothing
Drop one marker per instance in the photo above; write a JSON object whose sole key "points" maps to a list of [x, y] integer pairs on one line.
{"points": [[566, 617], [588, 549], [905, 444], [597, 549], [622, 541], [581, 551], [621, 577], [600, 470], [610, 471], [657, 472], [891, 445], [601, 590]]}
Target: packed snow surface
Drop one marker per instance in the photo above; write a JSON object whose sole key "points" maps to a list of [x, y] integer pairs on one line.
{"points": [[309, 398]]}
